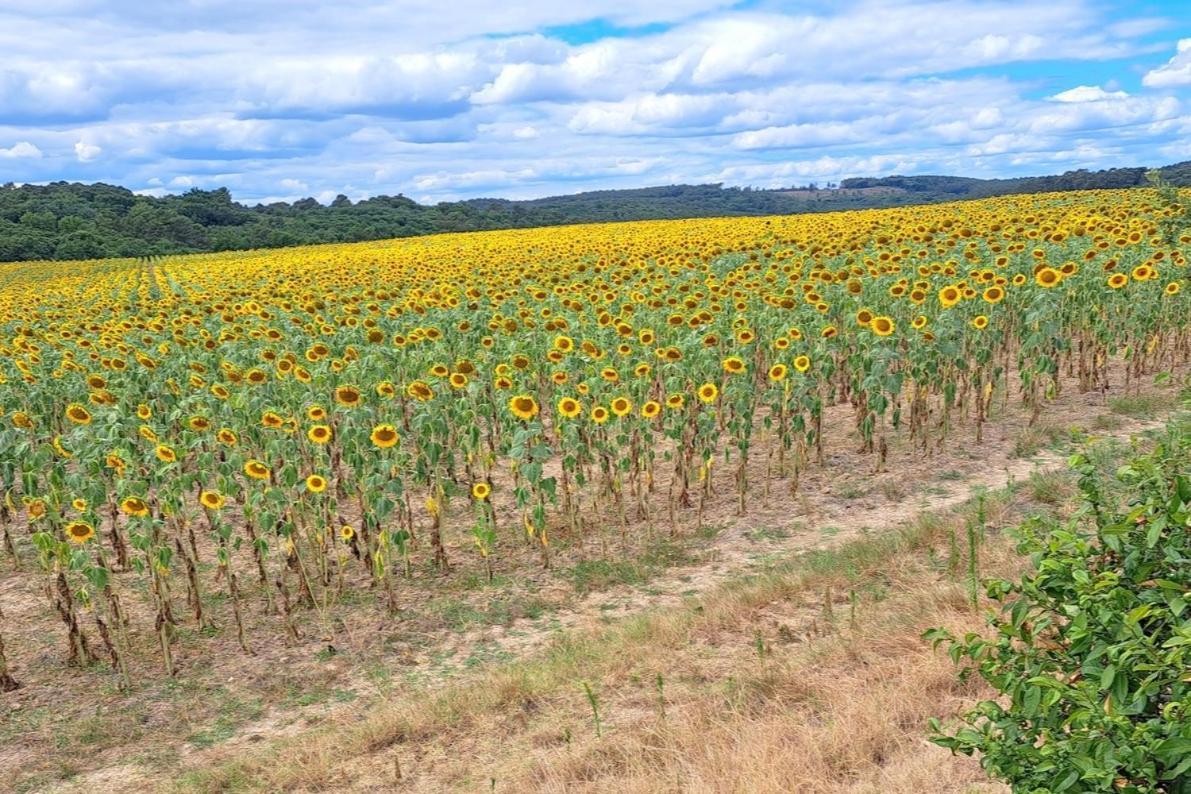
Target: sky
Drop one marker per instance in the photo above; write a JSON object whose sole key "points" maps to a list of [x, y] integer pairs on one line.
{"points": [[449, 99]]}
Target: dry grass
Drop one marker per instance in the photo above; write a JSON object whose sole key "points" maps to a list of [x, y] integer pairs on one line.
{"points": [[769, 684]]}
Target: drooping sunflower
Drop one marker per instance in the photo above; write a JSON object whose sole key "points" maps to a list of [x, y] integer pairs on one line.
{"points": [[675, 401], [79, 532], [212, 500], [256, 470], [348, 396], [227, 437], [420, 391], [134, 506], [77, 414], [384, 436], [165, 453], [523, 406], [319, 434], [708, 392]]}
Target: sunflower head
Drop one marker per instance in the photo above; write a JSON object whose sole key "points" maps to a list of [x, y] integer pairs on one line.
{"points": [[316, 483], [79, 532], [523, 406], [708, 392], [384, 436], [319, 434], [212, 500], [481, 490]]}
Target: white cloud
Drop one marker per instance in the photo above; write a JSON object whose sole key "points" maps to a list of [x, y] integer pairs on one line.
{"points": [[86, 152], [1175, 72], [1088, 93], [20, 150]]}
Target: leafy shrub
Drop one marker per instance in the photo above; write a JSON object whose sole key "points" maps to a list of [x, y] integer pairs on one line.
{"points": [[1092, 650]]}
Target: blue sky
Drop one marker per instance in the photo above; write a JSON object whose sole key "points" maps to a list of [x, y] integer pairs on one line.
{"points": [[447, 99]]}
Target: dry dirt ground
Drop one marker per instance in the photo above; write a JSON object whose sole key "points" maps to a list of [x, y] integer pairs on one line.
{"points": [[72, 730]]}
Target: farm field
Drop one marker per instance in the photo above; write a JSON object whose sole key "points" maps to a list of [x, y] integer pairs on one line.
{"points": [[249, 494]]}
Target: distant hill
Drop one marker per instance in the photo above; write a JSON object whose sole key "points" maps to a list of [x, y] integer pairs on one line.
{"points": [[66, 220]]}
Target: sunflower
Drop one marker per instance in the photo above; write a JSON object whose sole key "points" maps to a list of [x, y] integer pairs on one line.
{"points": [[980, 322], [569, 407], [316, 483], [77, 414], [993, 295], [802, 363], [316, 413], [134, 506], [256, 470], [481, 490], [708, 392], [165, 454], [346, 533], [828, 331], [143, 412], [1118, 280], [79, 504], [778, 372], [1172, 288], [675, 401], [523, 406], [271, 419], [599, 414], [949, 296], [319, 434], [457, 380], [919, 322], [651, 409], [147, 433], [622, 406], [348, 396], [384, 436], [733, 365], [79, 532], [226, 437], [21, 419], [1047, 277], [212, 500], [564, 344], [420, 391], [883, 326], [1142, 273]]}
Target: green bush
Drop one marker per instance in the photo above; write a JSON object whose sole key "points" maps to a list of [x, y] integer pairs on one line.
{"points": [[1091, 652]]}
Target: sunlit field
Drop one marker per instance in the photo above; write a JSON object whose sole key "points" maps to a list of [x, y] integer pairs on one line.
{"points": [[320, 420]]}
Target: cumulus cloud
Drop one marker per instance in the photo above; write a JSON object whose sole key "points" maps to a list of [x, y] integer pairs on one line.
{"points": [[1088, 93], [20, 150], [1175, 72], [86, 152]]}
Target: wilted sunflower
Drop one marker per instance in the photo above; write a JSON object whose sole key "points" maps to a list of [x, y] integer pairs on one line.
{"points": [[384, 436], [227, 437], [165, 453]]}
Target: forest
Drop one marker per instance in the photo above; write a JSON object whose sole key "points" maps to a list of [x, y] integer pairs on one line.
{"points": [[70, 221]]}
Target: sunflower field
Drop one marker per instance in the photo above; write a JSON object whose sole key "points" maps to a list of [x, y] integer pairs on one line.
{"points": [[310, 421]]}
